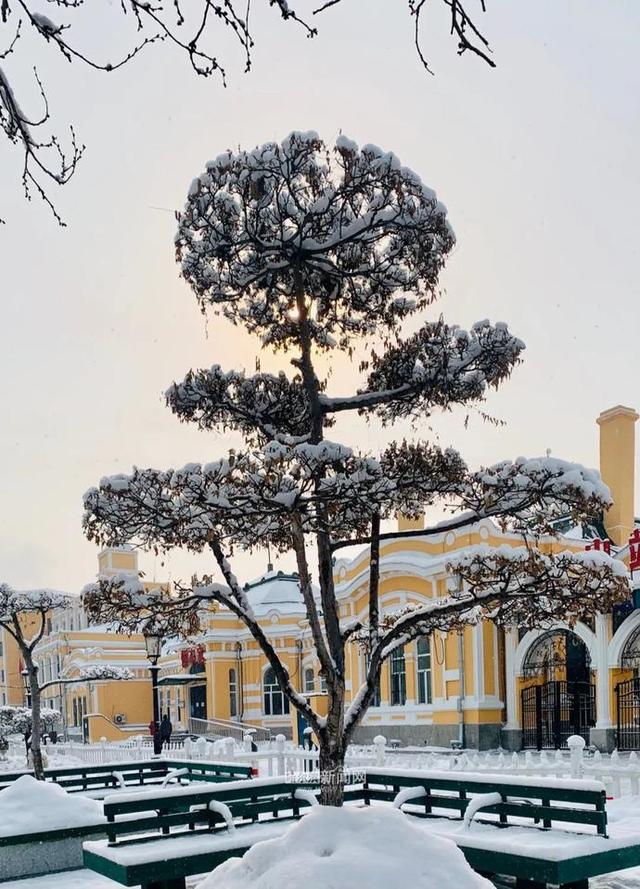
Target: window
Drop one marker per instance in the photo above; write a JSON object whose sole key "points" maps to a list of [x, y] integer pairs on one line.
{"points": [[75, 711], [425, 695], [398, 678], [233, 693], [309, 681], [0, 648], [275, 703], [376, 696]]}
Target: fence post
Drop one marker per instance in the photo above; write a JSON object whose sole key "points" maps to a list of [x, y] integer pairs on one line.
{"points": [[187, 747], [380, 743], [103, 750], [280, 739], [246, 742], [576, 744], [229, 748]]}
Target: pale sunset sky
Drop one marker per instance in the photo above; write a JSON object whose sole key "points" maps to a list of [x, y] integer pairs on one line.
{"points": [[537, 162]]}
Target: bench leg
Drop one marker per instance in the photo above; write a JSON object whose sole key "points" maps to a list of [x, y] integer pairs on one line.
{"points": [[522, 883], [577, 884]]}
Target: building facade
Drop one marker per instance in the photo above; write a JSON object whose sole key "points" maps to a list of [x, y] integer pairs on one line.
{"points": [[483, 688]]}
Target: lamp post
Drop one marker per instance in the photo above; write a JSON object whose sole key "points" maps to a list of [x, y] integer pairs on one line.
{"points": [[153, 645]]}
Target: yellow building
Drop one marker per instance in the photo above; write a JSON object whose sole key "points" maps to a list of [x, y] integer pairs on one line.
{"points": [[483, 688], [97, 708]]}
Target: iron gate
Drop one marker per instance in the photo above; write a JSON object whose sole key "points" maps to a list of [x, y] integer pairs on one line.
{"points": [[628, 701], [553, 711]]}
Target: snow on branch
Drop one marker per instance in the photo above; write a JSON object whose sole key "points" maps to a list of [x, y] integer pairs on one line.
{"points": [[274, 406], [20, 720], [528, 588], [352, 230], [251, 497], [528, 495], [440, 365], [23, 601], [123, 602]]}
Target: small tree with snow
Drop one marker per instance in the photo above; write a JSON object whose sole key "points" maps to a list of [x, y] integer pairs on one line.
{"points": [[19, 721], [317, 251], [24, 615]]}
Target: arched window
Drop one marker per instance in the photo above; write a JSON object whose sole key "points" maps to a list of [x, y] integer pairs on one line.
{"points": [[309, 681], [423, 648], [275, 703], [75, 711], [233, 693], [398, 678]]}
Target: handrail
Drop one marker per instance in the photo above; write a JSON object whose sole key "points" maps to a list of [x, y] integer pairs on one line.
{"points": [[225, 728]]}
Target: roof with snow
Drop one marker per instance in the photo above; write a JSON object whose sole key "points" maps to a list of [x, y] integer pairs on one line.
{"points": [[276, 591]]}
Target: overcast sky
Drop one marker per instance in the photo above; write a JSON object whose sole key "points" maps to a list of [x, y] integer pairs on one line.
{"points": [[537, 162]]}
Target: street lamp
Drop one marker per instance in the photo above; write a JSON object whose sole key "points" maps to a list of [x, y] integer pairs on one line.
{"points": [[153, 644]]}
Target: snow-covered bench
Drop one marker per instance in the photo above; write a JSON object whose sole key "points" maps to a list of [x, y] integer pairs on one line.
{"points": [[98, 778], [540, 830], [190, 830]]}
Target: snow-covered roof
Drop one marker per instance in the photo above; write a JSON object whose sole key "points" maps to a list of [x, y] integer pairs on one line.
{"points": [[275, 591]]}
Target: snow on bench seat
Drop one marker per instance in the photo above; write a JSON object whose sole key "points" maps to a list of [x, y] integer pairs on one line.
{"points": [[373, 774], [556, 844], [185, 845], [251, 785]]}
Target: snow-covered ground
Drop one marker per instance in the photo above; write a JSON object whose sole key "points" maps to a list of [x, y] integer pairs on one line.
{"points": [[28, 806]]}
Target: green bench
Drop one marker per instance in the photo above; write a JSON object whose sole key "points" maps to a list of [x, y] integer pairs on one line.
{"points": [[110, 775], [537, 830], [188, 828], [541, 832]]}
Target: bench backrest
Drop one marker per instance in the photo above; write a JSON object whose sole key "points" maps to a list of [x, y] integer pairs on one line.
{"points": [[542, 801], [163, 810], [90, 777]]}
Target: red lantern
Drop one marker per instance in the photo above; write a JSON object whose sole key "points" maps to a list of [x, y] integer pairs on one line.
{"points": [[634, 550], [600, 546]]}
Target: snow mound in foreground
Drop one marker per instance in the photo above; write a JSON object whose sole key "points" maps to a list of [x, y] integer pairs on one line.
{"points": [[30, 806], [379, 848]]}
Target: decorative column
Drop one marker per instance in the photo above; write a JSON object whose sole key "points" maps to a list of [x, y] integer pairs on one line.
{"points": [[602, 735], [512, 731]]}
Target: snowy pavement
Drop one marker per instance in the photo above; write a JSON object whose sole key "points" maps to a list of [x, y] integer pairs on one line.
{"points": [[87, 879], [78, 879]]}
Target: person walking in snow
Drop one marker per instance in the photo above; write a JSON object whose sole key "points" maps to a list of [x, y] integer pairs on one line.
{"points": [[165, 729]]}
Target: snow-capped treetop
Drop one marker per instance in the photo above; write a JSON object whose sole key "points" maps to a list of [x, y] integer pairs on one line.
{"points": [[296, 229], [19, 719], [97, 672], [21, 601]]}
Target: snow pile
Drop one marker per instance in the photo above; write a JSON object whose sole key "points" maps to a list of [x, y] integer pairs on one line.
{"points": [[30, 806], [342, 848]]}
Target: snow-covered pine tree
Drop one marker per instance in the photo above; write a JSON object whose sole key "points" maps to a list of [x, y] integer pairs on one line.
{"points": [[318, 250]]}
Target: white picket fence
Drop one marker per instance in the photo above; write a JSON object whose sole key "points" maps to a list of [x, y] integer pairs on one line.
{"points": [[620, 774]]}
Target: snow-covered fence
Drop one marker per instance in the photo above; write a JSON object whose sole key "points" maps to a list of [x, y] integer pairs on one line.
{"points": [[620, 776]]}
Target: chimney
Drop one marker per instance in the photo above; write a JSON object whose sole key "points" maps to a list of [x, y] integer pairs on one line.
{"points": [[617, 468], [407, 523]]}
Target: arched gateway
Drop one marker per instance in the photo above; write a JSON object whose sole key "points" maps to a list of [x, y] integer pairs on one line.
{"points": [[558, 698]]}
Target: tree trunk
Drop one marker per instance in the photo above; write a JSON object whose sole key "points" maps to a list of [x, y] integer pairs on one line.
{"points": [[332, 777], [332, 748], [36, 752]]}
